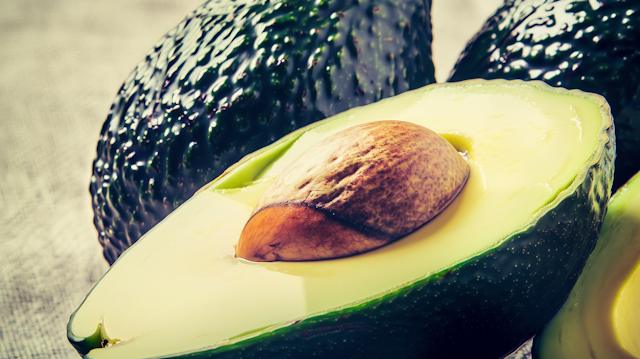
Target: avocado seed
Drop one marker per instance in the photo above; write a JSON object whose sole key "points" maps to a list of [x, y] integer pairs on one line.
{"points": [[354, 191]]}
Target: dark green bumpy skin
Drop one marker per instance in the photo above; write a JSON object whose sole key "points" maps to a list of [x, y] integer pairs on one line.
{"points": [[592, 45], [503, 296], [235, 76]]}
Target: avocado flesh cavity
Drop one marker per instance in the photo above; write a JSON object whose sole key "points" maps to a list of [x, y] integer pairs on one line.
{"points": [[627, 312], [181, 290], [601, 318]]}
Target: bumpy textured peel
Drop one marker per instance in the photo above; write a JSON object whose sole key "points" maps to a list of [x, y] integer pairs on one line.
{"points": [[233, 77]]}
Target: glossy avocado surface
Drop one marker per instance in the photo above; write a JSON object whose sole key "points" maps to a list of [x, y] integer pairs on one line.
{"points": [[235, 76], [476, 281], [577, 44]]}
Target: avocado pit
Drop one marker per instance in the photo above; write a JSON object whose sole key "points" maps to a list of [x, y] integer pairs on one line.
{"points": [[354, 191]]}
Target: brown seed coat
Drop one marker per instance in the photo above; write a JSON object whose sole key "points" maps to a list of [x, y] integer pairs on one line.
{"points": [[381, 180]]}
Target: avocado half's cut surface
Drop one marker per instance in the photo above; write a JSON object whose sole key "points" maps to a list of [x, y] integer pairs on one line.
{"points": [[479, 279], [235, 76], [601, 318], [589, 45]]}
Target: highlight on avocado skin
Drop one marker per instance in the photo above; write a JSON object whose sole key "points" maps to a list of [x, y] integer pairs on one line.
{"points": [[477, 280], [354, 191]]}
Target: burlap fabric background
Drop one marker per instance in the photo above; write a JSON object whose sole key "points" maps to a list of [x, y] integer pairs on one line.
{"points": [[61, 64]]}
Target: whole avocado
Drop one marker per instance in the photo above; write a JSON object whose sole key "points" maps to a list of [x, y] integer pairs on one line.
{"points": [[591, 45], [235, 76]]}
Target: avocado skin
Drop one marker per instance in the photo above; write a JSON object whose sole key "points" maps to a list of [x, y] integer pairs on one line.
{"points": [[504, 295], [235, 76], [571, 44]]}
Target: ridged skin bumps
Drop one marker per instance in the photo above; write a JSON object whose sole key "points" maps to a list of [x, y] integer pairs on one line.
{"points": [[235, 76], [355, 191]]}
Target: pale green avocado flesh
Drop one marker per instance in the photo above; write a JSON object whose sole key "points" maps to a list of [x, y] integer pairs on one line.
{"points": [[538, 156], [601, 318]]}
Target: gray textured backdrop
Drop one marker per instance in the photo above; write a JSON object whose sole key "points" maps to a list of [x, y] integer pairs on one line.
{"points": [[61, 64]]}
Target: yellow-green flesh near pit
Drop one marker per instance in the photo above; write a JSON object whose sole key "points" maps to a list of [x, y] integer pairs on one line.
{"points": [[180, 289]]}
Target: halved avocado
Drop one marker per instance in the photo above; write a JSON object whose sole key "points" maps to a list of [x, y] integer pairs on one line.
{"points": [[601, 318], [478, 280]]}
